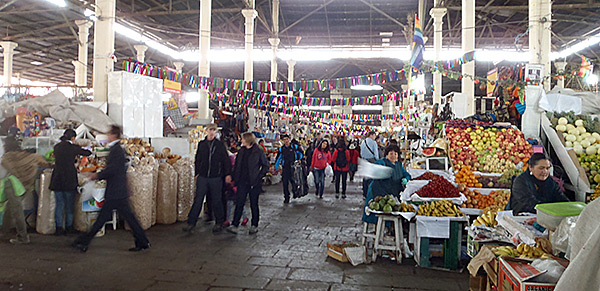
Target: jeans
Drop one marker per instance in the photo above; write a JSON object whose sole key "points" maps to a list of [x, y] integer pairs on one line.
{"points": [[286, 179], [231, 210], [204, 187], [244, 189], [65, 202], [124, 210], [343, 176], [319, 180], [366, 184]]}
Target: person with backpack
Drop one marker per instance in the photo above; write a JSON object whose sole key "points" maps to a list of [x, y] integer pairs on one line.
{"points": [[320, 159], [288, 155], [354, 154], [341, 158]]}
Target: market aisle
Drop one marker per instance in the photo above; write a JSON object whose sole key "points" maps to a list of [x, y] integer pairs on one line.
{"points": [[288, 253]]}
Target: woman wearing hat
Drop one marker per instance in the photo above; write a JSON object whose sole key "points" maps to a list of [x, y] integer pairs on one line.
{"points": [[64, 180]]}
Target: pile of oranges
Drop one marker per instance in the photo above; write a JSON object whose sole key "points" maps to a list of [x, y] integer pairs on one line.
{"points": [[477, 200], [467, 177]]}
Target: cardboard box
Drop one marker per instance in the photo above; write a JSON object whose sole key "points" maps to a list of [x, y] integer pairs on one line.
{"points": [[516, 275], [477, 283], [336, 252]]}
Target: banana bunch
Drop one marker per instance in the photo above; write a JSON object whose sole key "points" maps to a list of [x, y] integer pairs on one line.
{"points": [[528, 252], [406, 208], [505, 251], [439, 209], [487, 219]]}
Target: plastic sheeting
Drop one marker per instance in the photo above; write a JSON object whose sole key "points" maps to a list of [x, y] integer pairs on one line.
{"points": [[57, 106], [166, 200], [590, 101], [185, 187], [46, 205], [141, 193]]}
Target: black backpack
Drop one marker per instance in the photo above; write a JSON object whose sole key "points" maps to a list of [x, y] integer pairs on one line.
{"points": [[341, 160]]}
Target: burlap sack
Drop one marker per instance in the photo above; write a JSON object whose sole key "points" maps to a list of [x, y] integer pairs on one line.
{"points": [[45, 223], [185, 187], [153, 163], [166, 199], [139, 180]]}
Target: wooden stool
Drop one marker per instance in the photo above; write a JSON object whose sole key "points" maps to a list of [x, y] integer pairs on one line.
{"points": [[366, 234], [398, 238]]}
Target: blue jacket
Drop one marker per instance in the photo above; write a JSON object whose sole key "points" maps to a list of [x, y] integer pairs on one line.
{"points": [[288, 155], [392, 185]]}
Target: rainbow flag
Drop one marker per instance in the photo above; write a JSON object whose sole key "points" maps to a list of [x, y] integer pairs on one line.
{"points": [[416, 59], [586, 68]]}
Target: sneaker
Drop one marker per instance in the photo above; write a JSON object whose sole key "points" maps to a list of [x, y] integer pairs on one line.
{"points": [[337, 195], [188, 228], [253, 230], [232, 229], [286, 201], [217, 228], [226, 223], [320, 196], [139, 248], [60, 231], [16, 241], [343, 196], [245, 221]]}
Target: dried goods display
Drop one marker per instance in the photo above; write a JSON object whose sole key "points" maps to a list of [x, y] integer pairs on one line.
{"points": [[486, 148], [439, 187], [439, 208]]}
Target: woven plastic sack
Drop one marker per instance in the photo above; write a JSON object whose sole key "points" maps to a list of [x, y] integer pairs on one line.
{"points": [[185, 187], [153, 164], [166, 199], [139, 181], [46, 205]]}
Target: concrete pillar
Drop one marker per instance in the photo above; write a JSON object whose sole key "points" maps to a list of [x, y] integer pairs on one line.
{"points": [[8, 52], [560, 68], [204, 63], [140, 52], [540, 14], [438, 21], [291, 64], [82, 57], [178, 66], [249, 15], [104, 47], [468, 44], [274, 44]]}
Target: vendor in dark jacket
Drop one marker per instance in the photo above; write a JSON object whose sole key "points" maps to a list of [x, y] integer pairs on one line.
{"points": [[534, 186], [64, 180], [251, 166], [116, 196], [212, 165]]}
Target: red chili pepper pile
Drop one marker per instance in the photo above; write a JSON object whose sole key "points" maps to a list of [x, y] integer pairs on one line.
{"points": [[438, 188]]}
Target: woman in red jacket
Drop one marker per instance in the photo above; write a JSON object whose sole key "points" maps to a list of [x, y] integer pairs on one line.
{"points": [[320, 159], [354, 155], [341, 160]]}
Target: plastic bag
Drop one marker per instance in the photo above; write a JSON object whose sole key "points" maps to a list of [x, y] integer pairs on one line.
{"points": [[185, 187], [560, 238], [166, 199], [329, 171], [46, 206], [139, 180], [373, 171], [310, 180], [554, 268]]}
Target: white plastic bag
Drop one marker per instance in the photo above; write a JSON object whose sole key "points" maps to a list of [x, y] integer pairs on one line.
{"points": [[328, 171], [310, 180]]}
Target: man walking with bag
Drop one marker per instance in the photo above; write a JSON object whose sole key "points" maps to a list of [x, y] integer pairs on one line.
{"points": [[369, 151], [288, 154], [212, 165]]}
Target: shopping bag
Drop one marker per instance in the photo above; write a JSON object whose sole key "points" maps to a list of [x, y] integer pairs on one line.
{"points": [[310, 180], [329, 171]]}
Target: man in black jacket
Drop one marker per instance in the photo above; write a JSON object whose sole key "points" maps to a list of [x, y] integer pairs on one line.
{"points": [[288, 154], [116, 196], [212, 165]]}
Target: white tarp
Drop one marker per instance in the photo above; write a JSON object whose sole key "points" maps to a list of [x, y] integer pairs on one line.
{"points": [[590, 101], [557, 102], [57, 106]]}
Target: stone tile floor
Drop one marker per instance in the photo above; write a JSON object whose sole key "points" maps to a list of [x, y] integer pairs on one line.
{"points": [[288, 253]]}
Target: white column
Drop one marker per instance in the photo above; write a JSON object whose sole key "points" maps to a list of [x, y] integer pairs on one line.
{"points": [[560, 68], [539, 35], [468, 44], [8, 52], [274, 44], [178, 66], [104, 47], [249, 15], [438, 21], [204, 63], [82, 57], [140, 52], [291, 64]]}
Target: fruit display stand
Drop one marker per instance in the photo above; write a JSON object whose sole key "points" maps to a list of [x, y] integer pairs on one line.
{"points": [[569, 161]]}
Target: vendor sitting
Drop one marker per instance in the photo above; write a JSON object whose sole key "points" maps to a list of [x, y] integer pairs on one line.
{"points": [[392, 185], [534, 186]]}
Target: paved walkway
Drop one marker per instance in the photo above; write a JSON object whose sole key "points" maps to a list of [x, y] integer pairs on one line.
{"points": [[288, 253]]}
